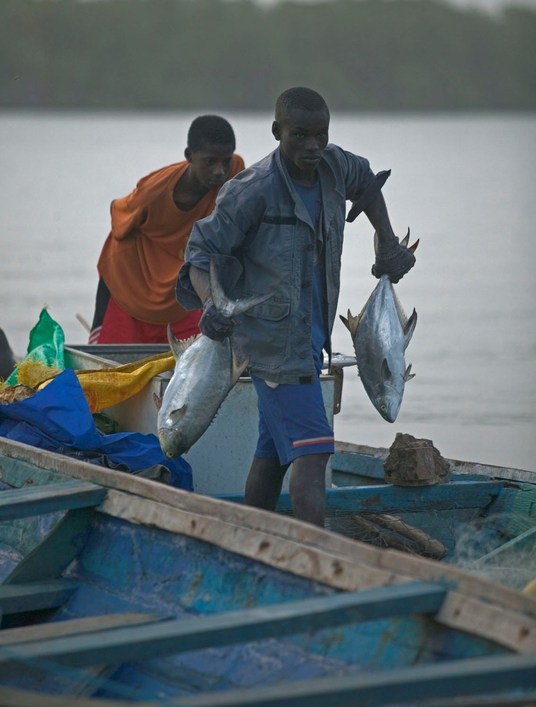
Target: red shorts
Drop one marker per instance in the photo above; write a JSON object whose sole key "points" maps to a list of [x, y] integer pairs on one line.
{"points": [[118, 327]]}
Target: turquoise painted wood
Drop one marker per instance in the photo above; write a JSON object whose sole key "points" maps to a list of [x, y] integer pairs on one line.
{"points": [[396, 499], [21, 503], [479, 676], [20, 598], [53, 553], [119, 645]]}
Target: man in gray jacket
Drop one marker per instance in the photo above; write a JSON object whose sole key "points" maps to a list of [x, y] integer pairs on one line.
{"points": [[278, 228]]}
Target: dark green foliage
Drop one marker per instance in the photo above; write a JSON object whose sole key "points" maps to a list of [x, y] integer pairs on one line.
{"points": [[218, 54]]}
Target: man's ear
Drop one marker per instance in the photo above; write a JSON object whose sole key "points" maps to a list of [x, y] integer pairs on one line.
{"points": [[188, 154], [276, 130]]}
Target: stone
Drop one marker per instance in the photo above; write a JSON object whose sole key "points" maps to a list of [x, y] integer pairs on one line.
{"points": [[414, 462]]}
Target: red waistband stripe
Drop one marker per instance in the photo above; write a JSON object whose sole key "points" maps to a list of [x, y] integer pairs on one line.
{"points": [[313, 440]]}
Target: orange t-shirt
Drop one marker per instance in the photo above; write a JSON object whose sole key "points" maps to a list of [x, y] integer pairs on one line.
{"points": [[142, 256]]}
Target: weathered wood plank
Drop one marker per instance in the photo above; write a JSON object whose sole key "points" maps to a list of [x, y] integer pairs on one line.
{"points": [[19, 598], [56, 551], [71, 627], [35, 500], [398, 499], [178, 636], [479, 675]]}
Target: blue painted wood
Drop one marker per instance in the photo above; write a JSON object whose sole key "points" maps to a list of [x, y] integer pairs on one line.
{"points": [[398, 499], [402, 499], [455, 678], [21, 503], [20, 598], [56, 551], [172, 637], [358, 464]]}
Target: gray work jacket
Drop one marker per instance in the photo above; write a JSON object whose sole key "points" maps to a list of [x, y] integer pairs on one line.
{"points": [[264, 241]]}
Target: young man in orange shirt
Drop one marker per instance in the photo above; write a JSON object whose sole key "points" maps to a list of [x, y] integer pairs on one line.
{"points": [[141, 258]]}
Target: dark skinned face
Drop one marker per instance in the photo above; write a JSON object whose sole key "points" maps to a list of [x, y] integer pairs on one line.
{"points": [[303, 136], [210, 166]]}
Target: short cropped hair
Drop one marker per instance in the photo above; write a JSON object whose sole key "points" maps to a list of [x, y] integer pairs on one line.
{"points": [[210, 130], [300, 98]]}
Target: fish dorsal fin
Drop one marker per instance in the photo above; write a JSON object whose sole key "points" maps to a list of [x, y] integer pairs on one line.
{"points": [[238, 367], [386, 371], [230, 308], [409, 328], [408, 375], [178, 346]]}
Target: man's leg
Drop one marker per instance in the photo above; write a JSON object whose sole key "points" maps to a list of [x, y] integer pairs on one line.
{"points": [[264, 482], [308, 488]]}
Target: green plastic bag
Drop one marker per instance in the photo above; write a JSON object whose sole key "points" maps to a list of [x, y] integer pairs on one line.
{"points": [[45, 346]]}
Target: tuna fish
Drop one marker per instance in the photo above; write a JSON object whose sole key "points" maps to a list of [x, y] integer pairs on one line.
{"points": [[205, 371], [380, 335]]}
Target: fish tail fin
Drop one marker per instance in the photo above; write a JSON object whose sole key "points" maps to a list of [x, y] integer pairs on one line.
{"points": [[230, 308]]}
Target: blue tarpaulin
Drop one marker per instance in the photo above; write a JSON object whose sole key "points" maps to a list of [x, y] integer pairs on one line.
{"points": [[57, 418]]}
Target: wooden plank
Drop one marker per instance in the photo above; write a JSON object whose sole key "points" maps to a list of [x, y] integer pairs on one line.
{"points": [[56, 551], [399, 499], [359, 464], [71, 627], [469, 677], [31, 501], [178, 636], [14, 697], [386, 498], [19, 598]]}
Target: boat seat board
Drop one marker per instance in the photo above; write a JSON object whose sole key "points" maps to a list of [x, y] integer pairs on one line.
{"points": [[458, 677], [71, 627], [67, 495], [19, 598], [178, 636]]}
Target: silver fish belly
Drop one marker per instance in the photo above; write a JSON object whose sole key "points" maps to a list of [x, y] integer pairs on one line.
{"points": [[205, 371], [380, 336]]}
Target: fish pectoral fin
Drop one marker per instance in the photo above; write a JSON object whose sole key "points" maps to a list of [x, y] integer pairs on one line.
{"points": [[238, 367], [157, 400], [230, 308], [409, 328], [176, 414], [408, 375], [386, 371]]}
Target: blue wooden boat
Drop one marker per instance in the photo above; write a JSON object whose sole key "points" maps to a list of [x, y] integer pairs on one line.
{"points": [[482, 519], [119, 589]]}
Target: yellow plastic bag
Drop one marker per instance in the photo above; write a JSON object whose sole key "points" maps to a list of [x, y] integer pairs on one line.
{"points": [[110, 386]]}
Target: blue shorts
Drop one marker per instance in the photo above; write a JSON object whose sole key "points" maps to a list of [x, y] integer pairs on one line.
{"points": [[292, 421]]}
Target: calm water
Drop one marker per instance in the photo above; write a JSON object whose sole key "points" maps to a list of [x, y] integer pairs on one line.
{"points": [[465, 186]]}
